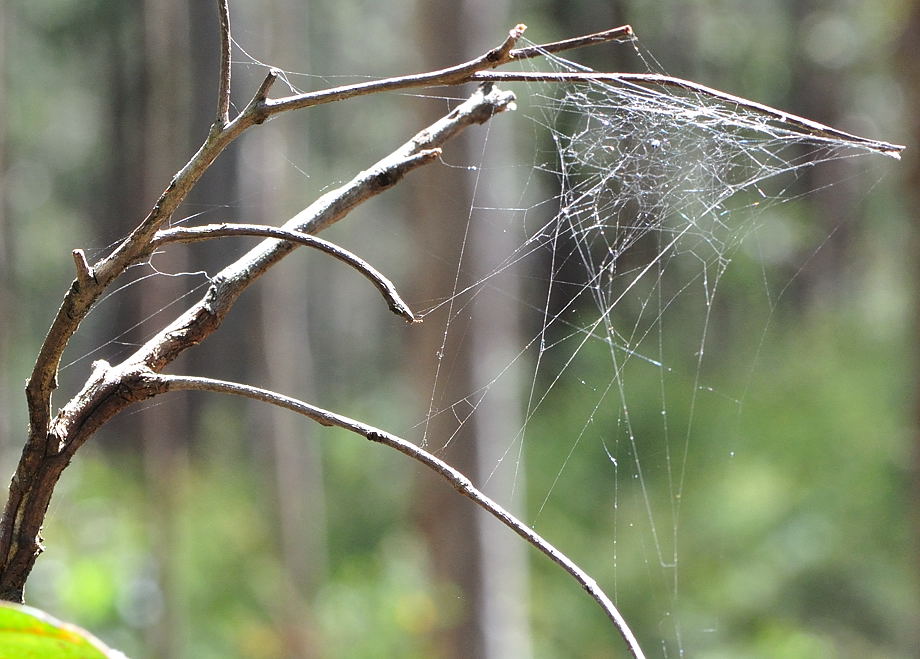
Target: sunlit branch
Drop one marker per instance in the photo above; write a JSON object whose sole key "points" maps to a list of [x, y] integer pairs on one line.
{"points": [[84, 272], [624, 32], [460, 482], [813, 128], [213, 231], [136, 246], [454, 75], [41, 463]]}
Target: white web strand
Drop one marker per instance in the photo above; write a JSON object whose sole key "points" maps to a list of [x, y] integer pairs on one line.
{"points": [[657, 188]]}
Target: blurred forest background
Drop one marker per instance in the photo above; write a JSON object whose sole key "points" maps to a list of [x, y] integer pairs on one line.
{"points": [[205, 527]]}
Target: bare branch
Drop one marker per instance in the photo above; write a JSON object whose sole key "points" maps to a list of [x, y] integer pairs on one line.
{"points": [[454, 75], [205, 316], [212, 231], [136, 247], [460, 482], [110, 389], [622, 33], [43, 458], [223, 92], [812, 128]]}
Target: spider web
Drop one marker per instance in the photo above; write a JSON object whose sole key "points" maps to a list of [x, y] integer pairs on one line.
{"points": [[626, 222], [652, 191]]}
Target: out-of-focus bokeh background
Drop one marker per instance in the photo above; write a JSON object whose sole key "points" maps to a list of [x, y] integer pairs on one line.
{"points": [[206, 527]]}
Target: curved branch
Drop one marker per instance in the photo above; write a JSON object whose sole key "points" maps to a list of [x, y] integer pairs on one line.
{"points": [[40, 463], [207, 314], [212, 231], [460, 482]]}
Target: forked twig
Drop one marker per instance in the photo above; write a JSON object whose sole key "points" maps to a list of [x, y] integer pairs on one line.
{"points": [[214, 231], [52, 442], [460, 482]]}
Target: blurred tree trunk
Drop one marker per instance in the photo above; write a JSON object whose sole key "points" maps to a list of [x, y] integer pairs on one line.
{"points": [[5, 270], [163, 429], [816, 93], [265, 173], [482, 564], [910, 77]]}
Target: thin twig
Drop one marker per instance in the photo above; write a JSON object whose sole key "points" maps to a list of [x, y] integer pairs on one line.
{"points": [[205, 316], [136, 246], [42, 462], [454, 75], [813, 128], [262, 92], [212, 231], [624, 32], [84, 272], [460, 482], [223, 93]]}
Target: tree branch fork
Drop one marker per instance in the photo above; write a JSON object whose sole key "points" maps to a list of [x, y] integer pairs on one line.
{"points": [[54, 438]]}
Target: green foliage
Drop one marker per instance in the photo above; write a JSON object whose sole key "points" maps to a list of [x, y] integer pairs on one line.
{"points": [[28, 633]]}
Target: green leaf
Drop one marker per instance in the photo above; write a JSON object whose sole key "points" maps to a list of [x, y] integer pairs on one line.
{"points": [[27, 633]]}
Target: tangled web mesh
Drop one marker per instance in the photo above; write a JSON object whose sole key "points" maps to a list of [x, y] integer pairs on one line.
{"points": [[656, 187]]}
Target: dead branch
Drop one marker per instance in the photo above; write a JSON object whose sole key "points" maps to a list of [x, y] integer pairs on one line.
{"points": [[84, 272], [622, 33], [455, 75], [137, 245], [223, 92], [52, 442], [460, 482], [214, 231], [809, 127]]}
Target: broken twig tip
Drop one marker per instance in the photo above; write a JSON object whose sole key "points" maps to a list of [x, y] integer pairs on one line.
{"points": [[267, 83], [85, 273]]}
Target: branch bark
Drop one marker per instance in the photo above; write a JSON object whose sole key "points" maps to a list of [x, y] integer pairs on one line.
{"points": [[461, 483], [213, 231], [223, 91], [110, 389]]}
